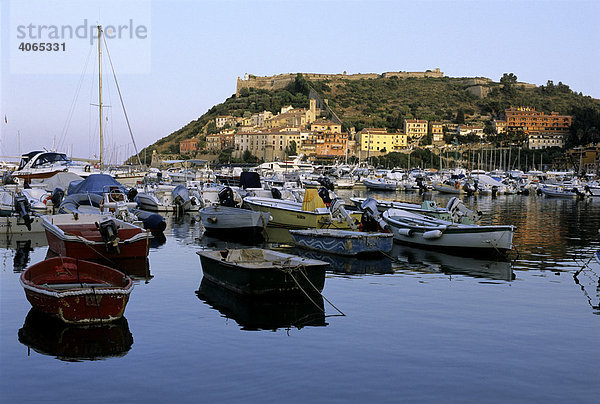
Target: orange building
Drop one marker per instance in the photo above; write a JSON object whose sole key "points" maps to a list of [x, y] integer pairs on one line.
{"points": [[188, 145], [323, 145], [529, 120]]}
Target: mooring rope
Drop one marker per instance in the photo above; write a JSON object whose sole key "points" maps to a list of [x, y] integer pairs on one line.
{"points": [[289, 271]]}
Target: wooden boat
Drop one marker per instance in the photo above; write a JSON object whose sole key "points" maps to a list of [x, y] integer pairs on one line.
{"points": [[344, 242], [312, 213], [424, 231], [256, 271], [233, 222], [95, 236], [77, 291]]}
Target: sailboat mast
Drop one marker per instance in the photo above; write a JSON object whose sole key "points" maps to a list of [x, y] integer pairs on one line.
{"points": [[100, 92]]}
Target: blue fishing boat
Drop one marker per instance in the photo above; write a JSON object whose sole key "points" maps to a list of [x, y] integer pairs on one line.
{"points": [[344, 242]]}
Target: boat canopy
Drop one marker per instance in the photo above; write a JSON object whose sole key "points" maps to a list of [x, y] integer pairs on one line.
{"points": [[94, 184]]}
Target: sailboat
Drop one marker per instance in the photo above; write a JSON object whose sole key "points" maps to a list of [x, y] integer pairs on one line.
{"points": [[41, 164]]}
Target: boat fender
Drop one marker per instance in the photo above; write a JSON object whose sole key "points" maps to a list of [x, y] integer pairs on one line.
{"points": [[405, 232], [432, 234]]}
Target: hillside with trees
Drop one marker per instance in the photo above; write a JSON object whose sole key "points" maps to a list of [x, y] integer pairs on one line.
{"points": [[386, 102]]}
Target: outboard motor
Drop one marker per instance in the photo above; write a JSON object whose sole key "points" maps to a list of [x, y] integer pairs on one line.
{"points": [[460, 213], [275, 193], [131, 194], [371, 220], [110, 235], [22, 208], [7, 178], [324, 194], [339, 212], [326, 183], [57, 196], [421, 185], [226, 197]]}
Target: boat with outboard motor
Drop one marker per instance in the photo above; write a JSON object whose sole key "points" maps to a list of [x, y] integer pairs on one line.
{"points": [[429, 232], [455, 210], [311, 213], [95, 236]]}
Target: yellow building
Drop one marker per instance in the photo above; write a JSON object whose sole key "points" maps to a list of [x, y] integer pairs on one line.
{"points": [[437, 133], [379, 140], [415, 128]]}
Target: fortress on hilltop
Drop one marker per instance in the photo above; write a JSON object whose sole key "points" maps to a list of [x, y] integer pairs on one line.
{"points": [[282, 80]]}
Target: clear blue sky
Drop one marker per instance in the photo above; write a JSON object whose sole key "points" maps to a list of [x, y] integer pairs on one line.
{"points": [[194, 51]]}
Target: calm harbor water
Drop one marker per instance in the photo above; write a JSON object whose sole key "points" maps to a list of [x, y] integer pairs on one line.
{"points": [[425, 326]]}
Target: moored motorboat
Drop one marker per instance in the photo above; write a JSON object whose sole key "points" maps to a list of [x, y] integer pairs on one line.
{"points": [[311, 213], [343, 242], [454, 211], [380, 184], [233, 222], [256, 271], [95, 236], [77, 291], [423, 231]]}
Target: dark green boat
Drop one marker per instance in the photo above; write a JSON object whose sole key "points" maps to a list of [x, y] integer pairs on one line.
{"points": [[256, 271]]}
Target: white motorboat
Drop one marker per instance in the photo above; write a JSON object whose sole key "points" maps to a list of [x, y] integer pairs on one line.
{"points": [[380, 184], [233, 222], [424, 231], [455, 210]]}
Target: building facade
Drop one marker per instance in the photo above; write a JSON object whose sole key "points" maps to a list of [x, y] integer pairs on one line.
{"points": [[188, 146], [379, 141], [266, 145], [437, 133], [529, 120], [415, 128], [540, 140]]}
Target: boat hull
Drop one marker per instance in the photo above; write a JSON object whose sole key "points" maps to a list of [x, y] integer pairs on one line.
{"points": [[266, 280], [285, 215], [471, 239], [83, 241], [77, 291], [235, 222], [343, 242]]}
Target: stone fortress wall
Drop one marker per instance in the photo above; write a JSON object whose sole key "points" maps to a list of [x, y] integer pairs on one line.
{"points": [[280, 81]]}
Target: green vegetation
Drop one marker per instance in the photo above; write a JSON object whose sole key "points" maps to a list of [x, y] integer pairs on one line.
{"points": [[386, 102]]}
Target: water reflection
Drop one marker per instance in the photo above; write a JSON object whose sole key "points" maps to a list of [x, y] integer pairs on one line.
{"points": [[48, 335], [450, 264], [12, 241], [588, 279], [259, 313], [349, 265]]}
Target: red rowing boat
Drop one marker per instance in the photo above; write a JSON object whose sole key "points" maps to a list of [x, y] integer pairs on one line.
{"points": [[95, 236], [77, 291]]}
